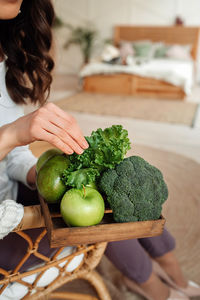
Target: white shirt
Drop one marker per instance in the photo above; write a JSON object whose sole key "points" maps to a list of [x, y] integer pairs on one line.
{"points": [[19, 161]]}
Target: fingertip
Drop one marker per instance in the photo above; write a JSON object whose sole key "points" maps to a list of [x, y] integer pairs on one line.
{"points": [[85, 145], [80, 152], [69, 152]]}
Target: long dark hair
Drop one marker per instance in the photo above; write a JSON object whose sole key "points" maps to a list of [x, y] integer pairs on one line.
{"points": [[25, 41]]}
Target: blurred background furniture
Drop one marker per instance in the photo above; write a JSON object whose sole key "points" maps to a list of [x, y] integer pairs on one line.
{"points": [[123, 82]]}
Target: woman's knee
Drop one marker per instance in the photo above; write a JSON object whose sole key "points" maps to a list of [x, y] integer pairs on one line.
{"points": [[131, 259]]}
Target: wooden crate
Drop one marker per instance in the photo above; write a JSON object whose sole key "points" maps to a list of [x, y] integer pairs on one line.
{"points": [[59, 234]]}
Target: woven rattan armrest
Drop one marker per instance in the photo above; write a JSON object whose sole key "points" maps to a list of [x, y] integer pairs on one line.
{"points": [[33, 218]]}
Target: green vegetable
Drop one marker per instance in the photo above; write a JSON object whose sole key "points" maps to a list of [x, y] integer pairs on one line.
{"points": [[45, 156], [135, 190], [80, 177], [107, 148], [49, 178]]}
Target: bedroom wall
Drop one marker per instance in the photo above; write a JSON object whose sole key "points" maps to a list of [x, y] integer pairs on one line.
{"points": [[106, 13]]}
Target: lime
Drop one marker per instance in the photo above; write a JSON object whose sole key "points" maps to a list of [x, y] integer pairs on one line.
{"points": [[45, 156], [49, 178]]}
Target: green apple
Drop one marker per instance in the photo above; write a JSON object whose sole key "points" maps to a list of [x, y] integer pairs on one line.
{"points": [[84, 207], [49, 178], [45, 156]]}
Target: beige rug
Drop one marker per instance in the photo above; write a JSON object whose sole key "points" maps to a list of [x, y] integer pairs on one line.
{"points": [[168, 111], [182, 212]]}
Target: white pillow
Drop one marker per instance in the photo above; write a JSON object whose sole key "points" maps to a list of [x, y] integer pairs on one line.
{"points": [[14, 291], [126, 49], [179, 52], [76, 261], [109, 52], [49, 276]]}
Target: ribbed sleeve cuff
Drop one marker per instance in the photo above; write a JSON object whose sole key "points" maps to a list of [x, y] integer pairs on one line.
{"points": [[11, 214]]}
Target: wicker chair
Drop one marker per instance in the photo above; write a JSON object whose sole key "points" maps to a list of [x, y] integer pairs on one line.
{"points": [[85, 270]]}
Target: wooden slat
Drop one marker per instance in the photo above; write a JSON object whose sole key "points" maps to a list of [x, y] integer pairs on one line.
{"points": [[106, 232], [47, 218]]}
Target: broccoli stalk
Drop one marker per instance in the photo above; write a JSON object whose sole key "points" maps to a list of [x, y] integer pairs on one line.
{"points": [[135, 190]]}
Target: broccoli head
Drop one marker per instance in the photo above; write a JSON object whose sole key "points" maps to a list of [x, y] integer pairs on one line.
{"points": [[135, 190]]}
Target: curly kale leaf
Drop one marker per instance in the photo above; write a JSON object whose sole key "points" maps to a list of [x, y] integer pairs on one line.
{"points": [[80, 177], [107, 148]]}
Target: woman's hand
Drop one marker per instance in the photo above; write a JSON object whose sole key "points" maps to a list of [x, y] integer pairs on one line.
{"points": [[49, 123]]}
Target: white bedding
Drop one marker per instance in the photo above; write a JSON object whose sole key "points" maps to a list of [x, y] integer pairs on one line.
{"points": [[177, 72]]}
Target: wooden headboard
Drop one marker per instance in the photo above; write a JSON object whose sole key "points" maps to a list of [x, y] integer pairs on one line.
{"points": [[170, 35]]}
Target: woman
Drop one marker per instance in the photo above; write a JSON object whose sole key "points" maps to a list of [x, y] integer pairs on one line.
{"points": [[25, 67], [25, 54]]}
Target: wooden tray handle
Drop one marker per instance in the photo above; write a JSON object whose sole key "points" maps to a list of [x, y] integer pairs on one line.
{"points": [[32, 218]]}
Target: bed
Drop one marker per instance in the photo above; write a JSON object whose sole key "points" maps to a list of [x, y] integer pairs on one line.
{"points": [[107, 79]]}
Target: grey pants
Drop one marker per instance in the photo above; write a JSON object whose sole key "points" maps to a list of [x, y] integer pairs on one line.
{"points": [[133, 257]]}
